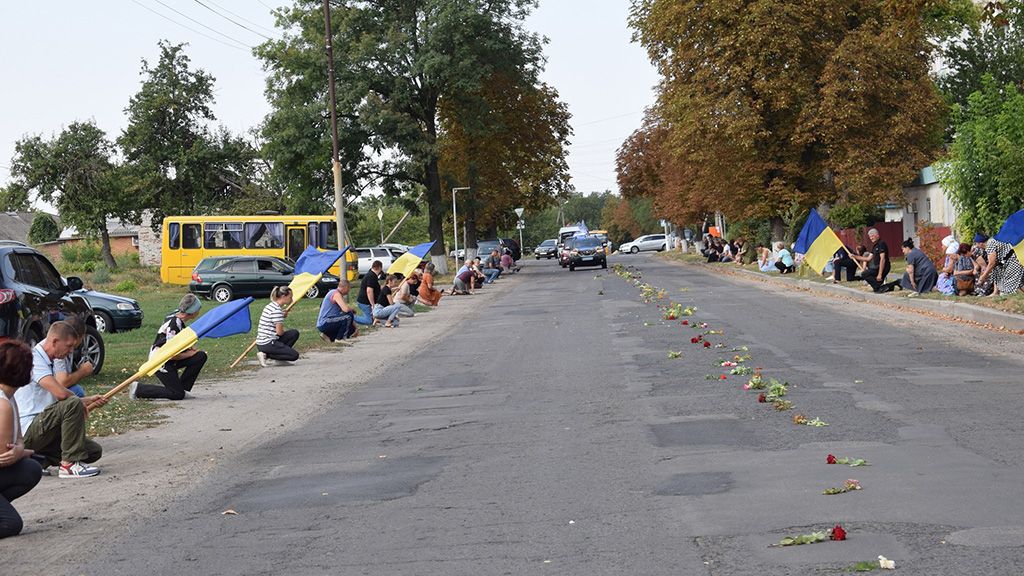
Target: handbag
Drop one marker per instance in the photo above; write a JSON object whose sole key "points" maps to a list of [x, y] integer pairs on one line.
{"points": [[965, 284]]}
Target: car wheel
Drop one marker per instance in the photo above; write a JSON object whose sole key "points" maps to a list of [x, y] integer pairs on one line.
{"points": [[572, 268], [662, 249], [634, 250], [313, 291], [93, 349], [221, 293], [104, 323]]}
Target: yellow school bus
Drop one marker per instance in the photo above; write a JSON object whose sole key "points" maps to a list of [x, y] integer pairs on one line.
{"points": [[188, 239]]}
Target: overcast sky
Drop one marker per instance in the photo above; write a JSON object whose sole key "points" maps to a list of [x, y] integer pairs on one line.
{"points": [[68, 61]]}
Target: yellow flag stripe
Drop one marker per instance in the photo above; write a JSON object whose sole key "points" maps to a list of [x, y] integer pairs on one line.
{"points": [[171, 348], [822, 249], [1019, 251], [405, 264]]}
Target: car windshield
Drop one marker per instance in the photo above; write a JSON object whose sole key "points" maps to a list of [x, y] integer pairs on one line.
{"points": [[548, 243], [487, 246], [588, 242]]}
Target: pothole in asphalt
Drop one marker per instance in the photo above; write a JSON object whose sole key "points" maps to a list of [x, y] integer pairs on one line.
{"points": [[702, 433], [989, 537], [695, 484]]}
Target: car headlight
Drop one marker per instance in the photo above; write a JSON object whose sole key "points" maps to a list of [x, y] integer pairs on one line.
{"points": [[125, 306]]}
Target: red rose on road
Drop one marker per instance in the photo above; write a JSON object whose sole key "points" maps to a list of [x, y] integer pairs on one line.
{"points": [[694, 340], [686, 322], [722, 377], [762, 398], [830, 459], [838, 533], [707, 344]]}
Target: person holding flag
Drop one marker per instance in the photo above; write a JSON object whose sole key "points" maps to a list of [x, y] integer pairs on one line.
{"points": [[273, 342], [189, 361]]}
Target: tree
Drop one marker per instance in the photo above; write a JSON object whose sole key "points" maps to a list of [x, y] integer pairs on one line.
{"points": [[43, 229], [771, 103], [983, 175], [395, 61], [992, 44], [76, 173], [176, 163], [14, 198]]}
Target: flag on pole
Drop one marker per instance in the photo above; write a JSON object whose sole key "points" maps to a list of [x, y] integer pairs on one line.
{"points": [[583, 230], [1012, 232], [817, 242], [310, 267], [224, 320], [408, 262]]}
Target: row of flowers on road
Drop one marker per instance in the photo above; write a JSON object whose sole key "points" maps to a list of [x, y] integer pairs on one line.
{"points": [[770, 391]]}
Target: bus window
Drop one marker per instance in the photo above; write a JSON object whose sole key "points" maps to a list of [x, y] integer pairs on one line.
{"points": [[296, 242], [223, 235], [190, 236], [173, 236], [314, 234], [264, 235], [328, 235]]}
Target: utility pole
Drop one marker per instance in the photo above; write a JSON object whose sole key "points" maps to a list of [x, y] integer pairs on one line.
{"points": [[339, 200]]}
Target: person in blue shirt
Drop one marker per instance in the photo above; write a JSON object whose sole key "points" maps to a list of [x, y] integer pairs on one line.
{"points": [[337, 320], [784, 259]]}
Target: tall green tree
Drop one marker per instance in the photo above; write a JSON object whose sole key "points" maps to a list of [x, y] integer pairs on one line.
{"points": [[767, 103], [76, 172], [991, 43], [178, 163], [395, 61], [983, 174]]}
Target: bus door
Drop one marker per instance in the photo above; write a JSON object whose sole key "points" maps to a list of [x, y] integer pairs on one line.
{"points": [[296, 242], [190, 254]]}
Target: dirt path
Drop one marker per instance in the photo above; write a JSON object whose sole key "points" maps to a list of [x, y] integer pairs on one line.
{"points": [[144, 470]]}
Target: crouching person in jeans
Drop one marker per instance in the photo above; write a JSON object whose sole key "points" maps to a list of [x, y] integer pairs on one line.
{"points": [[336, 320], [174, 385], [19, 473], [52, 417], [272, 340]]}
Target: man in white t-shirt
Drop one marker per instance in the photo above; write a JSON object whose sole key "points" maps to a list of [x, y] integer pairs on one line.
{"points": [[52, 417]]}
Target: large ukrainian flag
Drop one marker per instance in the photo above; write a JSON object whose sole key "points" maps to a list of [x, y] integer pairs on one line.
{"points": [[817, 242], [1012, 232], [409, 261], [310, 267]]}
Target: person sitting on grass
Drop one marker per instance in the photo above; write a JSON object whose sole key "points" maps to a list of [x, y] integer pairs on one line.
{"points": [[190, 361], [429, 296], [920, 276], [386, 309], [965, 271], [19, 473], [741, 251], [64, 368], [51, 417], [946, 283], [784, 259], [273, 342], [336, 320]]}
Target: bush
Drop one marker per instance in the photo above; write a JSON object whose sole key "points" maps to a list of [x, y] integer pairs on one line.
{"points": [[43, 229], [78, 252], [126, 286], [127, 261], [101, 275]]}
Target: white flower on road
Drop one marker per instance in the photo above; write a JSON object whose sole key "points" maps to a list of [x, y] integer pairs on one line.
{"points": [[886, 564]]}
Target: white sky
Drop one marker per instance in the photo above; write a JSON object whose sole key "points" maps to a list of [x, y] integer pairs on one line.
{"points": [[68, 61]]}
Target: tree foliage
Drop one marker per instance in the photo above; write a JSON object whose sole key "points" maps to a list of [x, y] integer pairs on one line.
{"points": [[43, 229], [767, 104], [177, 163], [395, 62], [77, 173], [991, 44], [983, 175]]}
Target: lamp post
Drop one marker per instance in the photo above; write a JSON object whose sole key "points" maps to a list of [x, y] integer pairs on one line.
{"points": [[455, 225]]}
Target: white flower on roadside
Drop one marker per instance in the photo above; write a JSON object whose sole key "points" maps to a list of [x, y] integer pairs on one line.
{"points": [[886, 564]]}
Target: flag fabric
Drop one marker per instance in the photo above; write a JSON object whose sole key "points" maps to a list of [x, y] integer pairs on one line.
{"points": [[1012, 232], [224, 320], [316, 262], [583, 231], [817, 242], [408, 262]]}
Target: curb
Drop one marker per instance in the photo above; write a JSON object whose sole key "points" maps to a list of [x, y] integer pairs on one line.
{"points": [[950, 308]]}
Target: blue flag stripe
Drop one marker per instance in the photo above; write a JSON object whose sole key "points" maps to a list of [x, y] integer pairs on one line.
{"points": [[234, 314], [316, 262], [813, 228], [1012, 231]]}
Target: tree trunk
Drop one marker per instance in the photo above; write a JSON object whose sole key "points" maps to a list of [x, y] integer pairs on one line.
{"points": [[778, 229], [436, 212], [108, 256]]}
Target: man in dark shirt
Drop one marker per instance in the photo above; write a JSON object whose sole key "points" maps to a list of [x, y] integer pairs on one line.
{"points": [[879, 264], [369, 293]]}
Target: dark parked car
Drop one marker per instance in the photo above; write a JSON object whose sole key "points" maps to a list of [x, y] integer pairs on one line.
{"points": [[222, 279], [484, 247], [547, 249], [113, 313], [587, 251], [513, 247], [564, 250], [33, 296]]}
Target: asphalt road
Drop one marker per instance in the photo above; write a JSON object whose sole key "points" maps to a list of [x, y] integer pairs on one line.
{"points": [[552, 434]]}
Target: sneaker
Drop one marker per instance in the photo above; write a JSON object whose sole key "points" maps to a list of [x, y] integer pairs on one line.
{"points": [[188, 396], [133, 391], [325, 337], [262, 357], [77, 470]]}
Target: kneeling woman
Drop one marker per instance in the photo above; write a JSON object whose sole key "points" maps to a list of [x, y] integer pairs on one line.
{"points": [[272, 340], [18, 472]]}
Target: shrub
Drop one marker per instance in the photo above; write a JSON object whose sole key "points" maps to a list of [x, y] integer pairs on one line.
{"points": [[101, 275], [126, 286], [127, 261], [43, 229]]}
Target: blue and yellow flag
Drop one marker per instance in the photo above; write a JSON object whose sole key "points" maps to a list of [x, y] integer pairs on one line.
{"points": [[1012, 232], [310, 267], [817, 242], [408, 262], [224, 320]]}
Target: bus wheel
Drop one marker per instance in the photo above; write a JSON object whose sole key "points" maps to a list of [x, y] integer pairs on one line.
{"points": [[313, 291], [221, 293]]}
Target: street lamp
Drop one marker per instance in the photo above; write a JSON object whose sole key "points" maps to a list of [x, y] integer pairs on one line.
{"points": [[455, 225]]}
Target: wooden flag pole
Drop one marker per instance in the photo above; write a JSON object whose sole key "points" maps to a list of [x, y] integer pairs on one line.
{"points": [[113, 391]]}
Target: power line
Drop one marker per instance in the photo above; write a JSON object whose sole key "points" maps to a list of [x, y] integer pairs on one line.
{"points": [[243, 18], [215, 31], [235, 22], [609, 118], [173, 21]]}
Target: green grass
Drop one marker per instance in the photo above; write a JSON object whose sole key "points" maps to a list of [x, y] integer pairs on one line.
{"points": [[126, 351]]}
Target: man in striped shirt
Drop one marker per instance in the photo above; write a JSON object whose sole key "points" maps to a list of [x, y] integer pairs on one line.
{"points": [[272, 340]]}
